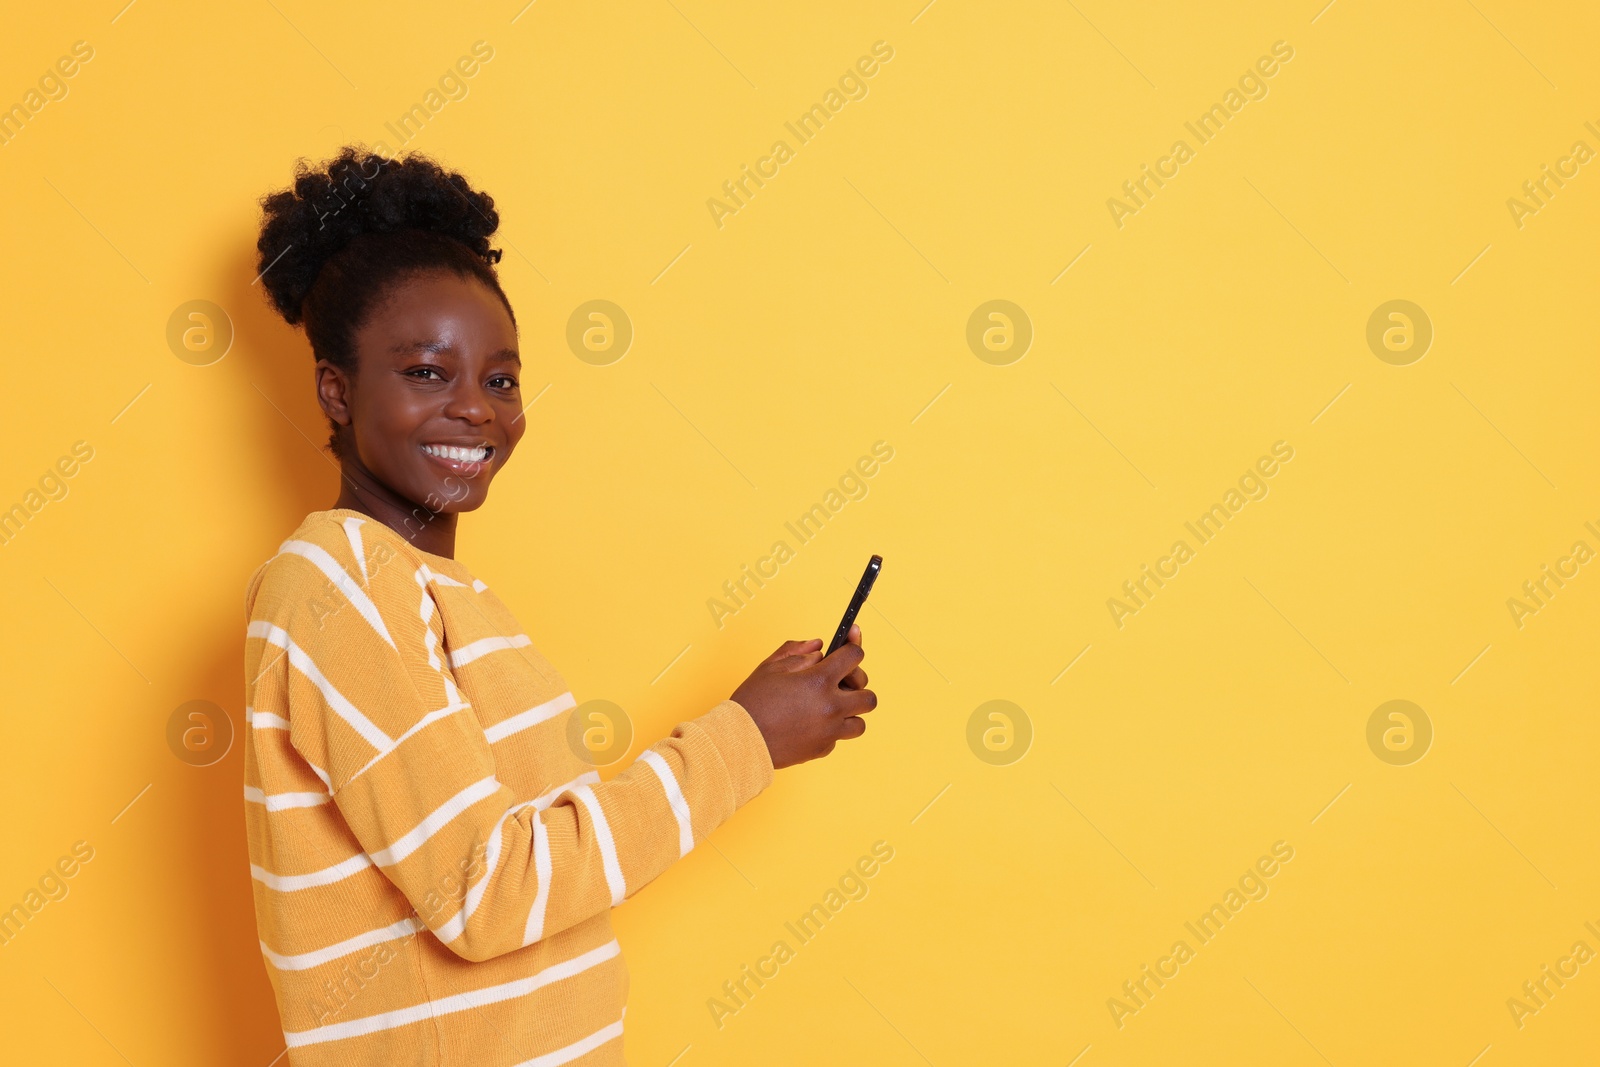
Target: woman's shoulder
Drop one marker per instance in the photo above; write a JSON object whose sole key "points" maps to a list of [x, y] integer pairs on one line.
{"points": [[333, 551]]}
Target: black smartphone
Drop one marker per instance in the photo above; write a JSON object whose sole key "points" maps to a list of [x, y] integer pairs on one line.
{"points": [[863, 587]]}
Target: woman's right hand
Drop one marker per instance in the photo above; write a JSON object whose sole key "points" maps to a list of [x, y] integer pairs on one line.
{"points": [[804, 703]]}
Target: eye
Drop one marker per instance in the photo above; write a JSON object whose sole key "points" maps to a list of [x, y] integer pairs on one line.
{"points": [[419, 372], [508, 380]]}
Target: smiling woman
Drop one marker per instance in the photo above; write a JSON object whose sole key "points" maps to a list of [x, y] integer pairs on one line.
{"points": [[389, 261], [434, 864]]}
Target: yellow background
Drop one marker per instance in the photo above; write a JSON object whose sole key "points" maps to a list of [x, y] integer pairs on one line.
{"points": [[824, 316]]}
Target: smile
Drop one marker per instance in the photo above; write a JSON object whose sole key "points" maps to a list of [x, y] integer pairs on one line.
{"points": [[462, 460]]}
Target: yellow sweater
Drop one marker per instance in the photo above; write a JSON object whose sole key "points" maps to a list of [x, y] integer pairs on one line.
{"points": [[434, 866]]}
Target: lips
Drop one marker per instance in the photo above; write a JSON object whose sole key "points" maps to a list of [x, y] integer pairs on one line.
{"points": [[460, 458]]}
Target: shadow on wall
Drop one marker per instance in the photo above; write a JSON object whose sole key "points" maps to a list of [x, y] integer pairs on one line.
{"points": [[283, 431]]}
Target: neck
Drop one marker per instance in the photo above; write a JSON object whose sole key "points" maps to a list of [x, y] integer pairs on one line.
{"points": [[427, 530]]}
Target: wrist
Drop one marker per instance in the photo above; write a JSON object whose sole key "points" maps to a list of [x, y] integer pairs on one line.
{"points": [[745, 748]]}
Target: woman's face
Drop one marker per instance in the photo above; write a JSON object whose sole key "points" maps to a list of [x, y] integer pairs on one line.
{"points": [[435, 408]]}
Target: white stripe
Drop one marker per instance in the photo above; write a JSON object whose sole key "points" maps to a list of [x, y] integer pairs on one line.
{"points": [[352, 531], [477, 586], [586, 778], [532, 717], [264, 720], [268, 720], [425, 610], [478, 649], [306, 960], [423, 575], [435, 1009], [608, 846], [436, 820], [320, 773], [341, 580], [675, 799], [440, 579], [283, 801], [542, 869], [288, 883], [431, 717], [456, 925], [302, 662], [566, 1055]]}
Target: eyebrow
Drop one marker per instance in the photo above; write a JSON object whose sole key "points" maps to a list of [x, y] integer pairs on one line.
{"points": [[408, 347]]}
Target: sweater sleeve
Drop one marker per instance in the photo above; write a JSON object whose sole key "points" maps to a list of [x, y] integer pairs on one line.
{"points": [[375, 711]]}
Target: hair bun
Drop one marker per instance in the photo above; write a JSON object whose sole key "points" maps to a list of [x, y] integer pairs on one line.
{"points": [[360, 192]]}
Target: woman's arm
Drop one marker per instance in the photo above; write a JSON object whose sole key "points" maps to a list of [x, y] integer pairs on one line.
{"points": [[373, 706]]}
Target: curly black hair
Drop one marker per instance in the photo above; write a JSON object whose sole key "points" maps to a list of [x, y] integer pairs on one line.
{"points": [[349, 228]]}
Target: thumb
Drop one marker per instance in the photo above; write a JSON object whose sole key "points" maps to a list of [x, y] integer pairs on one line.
{"points": [[844, 660]]}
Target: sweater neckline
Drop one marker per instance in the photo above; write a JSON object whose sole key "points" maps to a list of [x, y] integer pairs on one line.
{"points": [[339, 514]]}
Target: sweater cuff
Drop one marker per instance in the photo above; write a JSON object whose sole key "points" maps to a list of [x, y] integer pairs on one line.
{"points": [[743, 749]]}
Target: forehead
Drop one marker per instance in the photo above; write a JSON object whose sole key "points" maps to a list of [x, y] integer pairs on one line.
{"points": [[438, 310]]}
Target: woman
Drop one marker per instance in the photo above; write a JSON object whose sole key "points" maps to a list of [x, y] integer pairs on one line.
{"points": [[434, 862]]}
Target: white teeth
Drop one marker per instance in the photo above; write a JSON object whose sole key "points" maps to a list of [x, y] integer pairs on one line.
{"points": [[462, 455]]}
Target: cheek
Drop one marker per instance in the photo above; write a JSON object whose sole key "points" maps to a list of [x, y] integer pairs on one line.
{"points": [[384, 422], [380, 426], [515, 434]]}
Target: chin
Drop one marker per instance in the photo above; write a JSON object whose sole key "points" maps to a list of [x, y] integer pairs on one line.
{"points": [[475, 499]]}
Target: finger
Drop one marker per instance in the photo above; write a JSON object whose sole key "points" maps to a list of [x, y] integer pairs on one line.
{"points": [[790, 648], [799, 662], [852, 728], [855, 633], [856, 679], [844, 660], [857, 702]]}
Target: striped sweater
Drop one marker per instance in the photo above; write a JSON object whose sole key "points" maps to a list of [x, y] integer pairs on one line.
{"points": [[433, 864]]}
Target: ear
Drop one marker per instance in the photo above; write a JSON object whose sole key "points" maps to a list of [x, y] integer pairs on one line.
{"points": [[333, 392]]}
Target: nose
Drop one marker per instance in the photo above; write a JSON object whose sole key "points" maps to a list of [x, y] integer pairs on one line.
{"points": [[468, 402]]}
